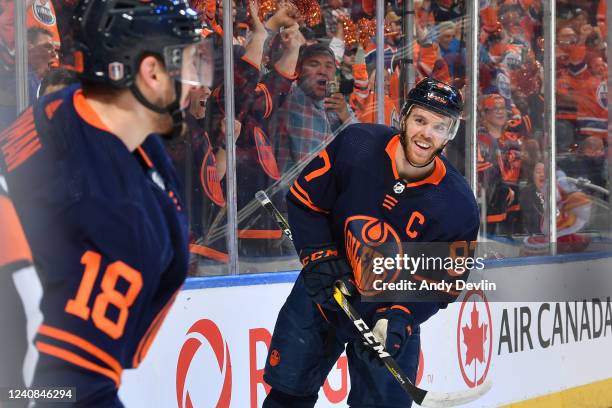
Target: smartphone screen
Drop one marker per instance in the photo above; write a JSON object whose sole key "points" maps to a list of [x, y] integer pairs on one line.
{"points": [[331, 87]]}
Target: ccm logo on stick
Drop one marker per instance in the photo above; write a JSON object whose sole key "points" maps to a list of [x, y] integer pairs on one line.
{"points": [[369, 336]]}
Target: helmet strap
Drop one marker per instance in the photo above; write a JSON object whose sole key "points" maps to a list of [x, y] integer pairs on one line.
{"points": [[173, 109]]}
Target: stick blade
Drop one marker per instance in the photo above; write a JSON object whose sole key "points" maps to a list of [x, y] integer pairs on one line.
{"points": [[451, 399]]}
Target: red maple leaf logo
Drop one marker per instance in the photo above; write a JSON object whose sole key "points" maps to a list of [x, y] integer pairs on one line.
{"points": [[474, 338]]}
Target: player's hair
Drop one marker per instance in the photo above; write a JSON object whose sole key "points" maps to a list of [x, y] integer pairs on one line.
{"points": [[96, 88], [57, 76]]}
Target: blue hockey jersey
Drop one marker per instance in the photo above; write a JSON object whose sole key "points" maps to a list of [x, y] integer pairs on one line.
{"points": [[352, 195], [108, 236]]}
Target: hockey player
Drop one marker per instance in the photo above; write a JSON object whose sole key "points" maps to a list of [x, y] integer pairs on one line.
{"points": [[372, 185], [97, 195]]}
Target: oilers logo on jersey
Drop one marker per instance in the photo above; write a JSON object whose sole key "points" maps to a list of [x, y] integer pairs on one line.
{"points": [[367, 238], [602, 94]]}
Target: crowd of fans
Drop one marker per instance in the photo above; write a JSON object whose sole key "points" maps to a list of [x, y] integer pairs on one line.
{"points": [[304, 70], [511, 138]]}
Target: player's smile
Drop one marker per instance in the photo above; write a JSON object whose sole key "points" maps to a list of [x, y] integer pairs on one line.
{"points": [[422, 145], [419, 150]]}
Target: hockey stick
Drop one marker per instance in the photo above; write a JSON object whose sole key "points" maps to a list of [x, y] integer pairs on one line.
{"points": [[422, 397]]}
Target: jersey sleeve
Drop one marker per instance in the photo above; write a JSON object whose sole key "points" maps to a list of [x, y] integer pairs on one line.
{"points": [[270, 93], [246, 75], [101, 310], [311, 197], [100, 251]]}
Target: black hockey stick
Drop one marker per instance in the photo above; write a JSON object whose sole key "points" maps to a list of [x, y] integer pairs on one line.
{"points": [[422, 397]]}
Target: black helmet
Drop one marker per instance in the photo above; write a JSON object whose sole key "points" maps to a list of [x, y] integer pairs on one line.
{"points": [[436, 96], [112, 36]]}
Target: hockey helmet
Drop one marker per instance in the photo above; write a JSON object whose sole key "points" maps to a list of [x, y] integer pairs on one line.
{"points": [[436, 96], [111, 37]]}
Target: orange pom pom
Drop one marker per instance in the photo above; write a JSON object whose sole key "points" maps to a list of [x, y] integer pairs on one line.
{"points": [[267, 7], [310, 10], [350, 31], [367, 29]]}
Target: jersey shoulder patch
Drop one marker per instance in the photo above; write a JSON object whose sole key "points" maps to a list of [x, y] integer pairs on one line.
{"points": [[19, 142]]}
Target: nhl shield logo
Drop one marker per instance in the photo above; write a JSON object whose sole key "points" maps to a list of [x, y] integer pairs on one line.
{"points": [[115, 71], [158, 180], [399, 187]]}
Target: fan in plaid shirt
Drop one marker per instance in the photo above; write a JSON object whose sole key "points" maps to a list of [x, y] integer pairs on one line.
{"points": [[307, 120]]}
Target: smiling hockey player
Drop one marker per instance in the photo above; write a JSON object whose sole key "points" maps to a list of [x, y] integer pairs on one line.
{"points": [[372, 185]]}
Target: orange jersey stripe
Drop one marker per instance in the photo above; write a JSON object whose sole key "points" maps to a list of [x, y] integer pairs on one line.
{"points": [[391, 149], [268, 104], [26, 118], [77, 360], [435, 177], [392, 199], [18, 131], [208, 252], [21, 156], [86, 112], [322, 312], [52, 107], [402, 308], [260, 234], [151, 333], [251, 63], [496, 217], [285, 75], [145, 157], [83, 344], [514, 208], [266, 92], [322, 170], [304, 201], [18, 141]]}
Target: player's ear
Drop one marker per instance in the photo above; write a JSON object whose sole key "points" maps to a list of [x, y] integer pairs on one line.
{"points": [[151, 72]]}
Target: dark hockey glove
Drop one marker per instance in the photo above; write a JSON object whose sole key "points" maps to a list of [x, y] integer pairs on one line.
{"points": [[322, 268], [392, 327]]}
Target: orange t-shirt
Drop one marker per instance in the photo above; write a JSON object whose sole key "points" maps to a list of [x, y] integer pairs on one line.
{"points": [[42, 14]]}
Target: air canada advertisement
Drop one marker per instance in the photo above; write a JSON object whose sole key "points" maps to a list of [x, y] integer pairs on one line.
{"points": [[206, 356]]}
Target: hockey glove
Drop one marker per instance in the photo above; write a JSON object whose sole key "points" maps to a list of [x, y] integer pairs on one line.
{"points": [[322, 268], [392, 327]]}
